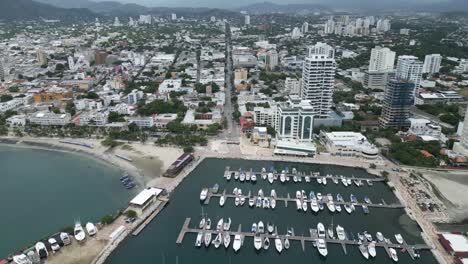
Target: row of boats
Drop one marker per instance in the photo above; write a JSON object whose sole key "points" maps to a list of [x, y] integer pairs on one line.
{"points": [[127, 182], [318, 202], [284, 176]]}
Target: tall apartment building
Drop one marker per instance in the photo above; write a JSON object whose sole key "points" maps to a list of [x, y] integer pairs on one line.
{"points": [[247, 20], [329, 27], [41, 57], [294, 120], [2, 71], [410, 68], [271, 59], [432, 63], [305, 27], [382, 59], [100, 57], [292, 86], [318, 78], [398, 99]]}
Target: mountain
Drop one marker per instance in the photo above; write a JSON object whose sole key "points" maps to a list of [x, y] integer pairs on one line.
{"points": [[268, 7], [102, 7], [28, 9]]}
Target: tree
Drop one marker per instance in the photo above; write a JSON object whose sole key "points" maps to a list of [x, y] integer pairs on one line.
{"points": [[5, 98], [92, 95], [188, 149], [13, 89], [115, 117], [70, 108], [107, 219], [130, 213], [60, 67]]}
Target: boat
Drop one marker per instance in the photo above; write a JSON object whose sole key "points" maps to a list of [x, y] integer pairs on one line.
{"points": [[270, 227], [199, 240], [234, 191], [236, 245], [364, 251], [311, 195], [371, 249], [303, 195], [348, 208], [241, 176], [219, 226], [261, 227], [348, 180], [298, 204], [263, 174], [21, 259], [222, 200], [282, 177], [330, 203], [208, 224], [369, 182], [251, 201], [273, 193], [226, 240], [353, 198], [340, 232], [253, 178], [365, 208], [393, 254], [335, 180], [322, 247], [218, 240], [215, 188], [227, 224], [202, 223], [319, 196], [242, 200], [41, 250], [345, 183], [361, 237], [294, 171], [380, 237], [331, 232], [324, 181], [307, 178], [53, 244], [266, 243], [314, 205], [321, 206], [339, 198], [260, 193], [228, 177], [248, 175], [203, 194], [254, 228], [207, 239], [286, 242], [258, 203], [257, 241], [399, 238], [304, 205], [298, 194], [65, 239], [356, 182], [270, 177], [266, 203], [236, 176], [319, 180], [295, 179], [78, 232], [91, 229], [237, 201], [368, 236], [367, 200], [321, 230], [273, 203], [278, 244]]}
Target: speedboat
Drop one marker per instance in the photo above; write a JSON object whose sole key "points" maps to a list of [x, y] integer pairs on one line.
{"points": [[273, 203], [393, 254], [278, 244], [282, 177], [261, 227], [251, 201], [219, 226], [203, 194], [218, 240], [298, 204], [298, 194], [367, 200], [364, 251], [286, 242], [321, 230], [270, 227], [41, 250], [371, 249], [222, 200], [207, 239], [314, 205], [91, 229], [304, 205], [319, 180], [273, 193], [242, 176], [78, 232], [227, 224], [348, 208], [331, 232], [248, 175], [380, 237], [369, 182], [237, 242], [270, 177], [253, 178], [208, 224], [21, 259], [322, 247], [65, 238], [324, 181], [227, 240], [254, 228], [266, 243], [202, 223], [215, 188], [257, 241], [399, 238], [365, 208], [53, 244], [199, 240], [340, 232]]}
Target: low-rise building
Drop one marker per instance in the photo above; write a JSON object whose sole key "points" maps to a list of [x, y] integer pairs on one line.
{"points": [[144, 199], [201, 120], [11, 105], [92, 118], [16, 121], [295, 148], [49, 119], [349, 144], [425, 129], [265, 116], [161, 121], [443, 97], [142, 121], [170, 85]]}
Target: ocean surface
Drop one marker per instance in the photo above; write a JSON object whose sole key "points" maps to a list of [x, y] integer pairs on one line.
{"points": [[156, 244], [44, 191]]}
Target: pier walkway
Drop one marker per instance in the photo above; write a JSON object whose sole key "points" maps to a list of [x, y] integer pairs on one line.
{"points": [[161, 203]]}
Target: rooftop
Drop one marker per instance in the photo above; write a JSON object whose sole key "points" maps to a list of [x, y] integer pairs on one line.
{"points": [[145, 195]]}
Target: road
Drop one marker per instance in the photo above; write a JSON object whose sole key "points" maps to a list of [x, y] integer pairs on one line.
{"points": [[421, 114]]}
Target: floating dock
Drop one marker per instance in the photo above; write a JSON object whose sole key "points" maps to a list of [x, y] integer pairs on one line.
{"points": [[410, 249]]}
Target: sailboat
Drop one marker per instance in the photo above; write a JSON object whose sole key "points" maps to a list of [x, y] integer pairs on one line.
{"points": [[218, 240], [199, 240], [278, 244], [257, 241], [207, 239], [364, 251], [227, 224], [322, 247], [237, 242], [227, 240], [321, 230], [266, 243], [340, 232]]}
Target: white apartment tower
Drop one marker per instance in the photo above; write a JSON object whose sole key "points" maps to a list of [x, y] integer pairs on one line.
{"points": [[305, 27], [271, 59], [432, 63], [382, 59], [247, 20], [318, 73], [329, 26], [173, 16], [410, 68]]}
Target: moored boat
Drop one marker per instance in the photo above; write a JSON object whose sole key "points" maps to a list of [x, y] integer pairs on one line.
{"points": [[199, 239], [270, 227], [393, 254], [278, 244], [219, 225], [78, 232], [266, 243], [399, 238], [21, 259], [380, 237], [237, 242], [254, 228], [207, 239], [227, 224], [322, 247], [65, 238], [371, 249], [41, 250], [257, 241], [203, 194], [218, 240], [261, 227], [222, 200], [270, 177], [321, 230], [226, 240], [91, 229], [314, 205], [340, 232], [364, 251]]}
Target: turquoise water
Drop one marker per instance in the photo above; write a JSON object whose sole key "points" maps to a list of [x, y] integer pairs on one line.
{"points": [[44, 191], [156, 244]]}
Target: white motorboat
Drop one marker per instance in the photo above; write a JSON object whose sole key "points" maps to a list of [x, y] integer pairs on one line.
{"points": [[237, 201], [282, 177], [270, 177], [258, 203], [251, 201], [303, 195], [228, 177], [294, 171], [242, 176], [368, 236], [254, 228], [371, 249], [335, 180], [331, 206], [91, 229], [203, 194], [199, 240], [260, 193], [257, 241], [219, 226], [242, 200], [234, 191], [207, 239], [319, 196], [278, 244], [227, 224], [314, 205], [338, 208], [331, 232], [369, 182], [304, 205], [273, 203], [41, 250], [393, 254], [319, 180], [298, 204], [261, 227], [307, 179], [399, 238], [266, 203], [322, 247], [380, 237], [222, 200], [21, 259], [253, 178], [78, 232], [202, 223], [65, 238], [248, 175], [236, 176], [295, 179], [236, 245], [208, 224], [348, 208], [340, 232], [218, 240], [364, 251], [226, 240], [348, 180], [266, 243], [270, 227], [321, 230], [263, 174], [286, 243], [298, 194], [273, 193], [324, 181]]}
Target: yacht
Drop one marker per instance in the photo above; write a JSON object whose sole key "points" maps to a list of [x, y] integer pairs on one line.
{"points": [[234, 191], [304, 205], [21, 259], [199, 240], [298, 195], [227, 240], [41, 250], [286, 242], [339, 198], [348, 208], [367, 200], [371, 249], [251, 201], [208, 224], [345, 183], [266, 243], [207, 239], [273, 203], [222, 200], [321, 230], [338, 208], [307, 178], [294, 171], [303, 195], [215, 188], [219, 226], [263, 174], [242, 200], [364, 251], [348, 180], [218, 240], [282, 177], [253, 178], [237, 242], [331, 232], [278, 244], [228, 177], [353, 199], [273, 193], [236, 176], [314, 205], [241, 176], [298, 204], [202, 223], [261, 227], [295, 178], [65, 239], [368, 236], [78, 232], [393, 254], [227, 224], [260, 193], [340, 232], [270, 227], [335, 180], [266, 203], [331, 206], [203, 194], [380, 237], [248, 175], [311, 195], [270, 177], [254, 228], [91, 229], [319, 180], [319, 196], [324, 181], [258, 203], [399, 238], [257, 241], [322, 247], [237, 201]]}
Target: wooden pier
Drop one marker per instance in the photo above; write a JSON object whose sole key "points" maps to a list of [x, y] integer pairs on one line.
{"points": [[313, 236]]}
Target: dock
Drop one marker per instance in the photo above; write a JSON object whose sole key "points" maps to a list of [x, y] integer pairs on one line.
{"points": [[150, 218], [313, 236]]}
